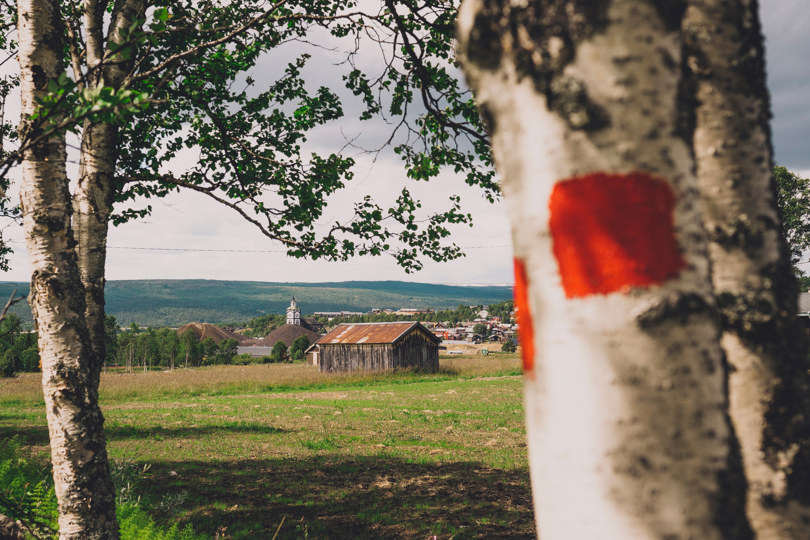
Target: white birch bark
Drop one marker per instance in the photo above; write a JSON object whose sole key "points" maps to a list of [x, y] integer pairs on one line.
{"points": [[93, 200], [626, 405], [751, 270], [92, 206], [82, 479]]}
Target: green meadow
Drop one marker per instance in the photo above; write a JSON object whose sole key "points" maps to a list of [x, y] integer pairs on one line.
{"points": [[283, 450]]}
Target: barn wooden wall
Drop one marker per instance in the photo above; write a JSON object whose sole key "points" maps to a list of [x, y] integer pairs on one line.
{"points": [[418, 352], [414, 351]]}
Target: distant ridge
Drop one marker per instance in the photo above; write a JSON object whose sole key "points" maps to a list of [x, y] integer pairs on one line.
{"points": [[163, 302]]}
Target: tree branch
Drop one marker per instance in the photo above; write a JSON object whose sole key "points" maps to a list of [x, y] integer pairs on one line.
{"points": [[11, 301], [202, 46]]}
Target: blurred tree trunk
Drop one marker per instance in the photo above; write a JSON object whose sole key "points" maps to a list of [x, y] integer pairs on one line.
{"points": [[753, 278], [626, 397], [81, 473]]}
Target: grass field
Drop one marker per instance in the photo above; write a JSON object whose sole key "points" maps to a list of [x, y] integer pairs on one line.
{"points": [[239, 451]]}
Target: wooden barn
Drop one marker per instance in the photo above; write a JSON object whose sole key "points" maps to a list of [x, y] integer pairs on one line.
{"points": [[377, 346]]}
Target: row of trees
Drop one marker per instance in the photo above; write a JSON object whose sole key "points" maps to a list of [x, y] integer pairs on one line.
{"points": [[163, 348], [134, 347]]}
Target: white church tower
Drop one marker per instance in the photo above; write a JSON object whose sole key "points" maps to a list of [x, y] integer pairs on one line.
{"points": [[293, 313]]}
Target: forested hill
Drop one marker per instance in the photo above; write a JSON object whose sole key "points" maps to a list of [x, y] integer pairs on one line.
{"points": [[177, 302]]}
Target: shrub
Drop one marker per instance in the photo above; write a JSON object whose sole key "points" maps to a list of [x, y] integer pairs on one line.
{"points": [[279, 352], [509, 346], [299, 348], [8, 364], [245, 359]]}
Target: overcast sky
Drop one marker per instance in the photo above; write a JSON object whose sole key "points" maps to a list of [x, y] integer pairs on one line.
{"points": [[172, 242]]}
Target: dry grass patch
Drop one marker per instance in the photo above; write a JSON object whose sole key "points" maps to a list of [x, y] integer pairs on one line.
{"points": [[116, 385]]}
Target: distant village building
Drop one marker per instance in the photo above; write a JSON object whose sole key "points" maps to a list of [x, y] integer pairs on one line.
{"points": [[296, 327], [331, 315], [376, 346], [411, 312], [293, 313]]}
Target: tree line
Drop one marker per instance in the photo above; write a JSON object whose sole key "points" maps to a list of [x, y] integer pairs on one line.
{"points": [[163, 348], [134, 347]]}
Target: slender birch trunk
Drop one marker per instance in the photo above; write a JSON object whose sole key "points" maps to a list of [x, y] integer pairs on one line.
{"points": [[92, 206], [625, 386], [83, 485], [93, 200], [753, 279]]}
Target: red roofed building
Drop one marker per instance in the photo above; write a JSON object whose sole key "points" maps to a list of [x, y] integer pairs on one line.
{"points": [[377, 346]]}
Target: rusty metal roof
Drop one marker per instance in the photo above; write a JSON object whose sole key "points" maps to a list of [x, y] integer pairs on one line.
{"points": [[369, 332]]}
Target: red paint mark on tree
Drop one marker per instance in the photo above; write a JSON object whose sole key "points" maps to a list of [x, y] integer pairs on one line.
{"points": [[613, 231], [524, 316]]}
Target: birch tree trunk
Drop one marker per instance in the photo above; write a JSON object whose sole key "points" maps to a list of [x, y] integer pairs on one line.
{"points": [[753, 279], [93, 200], [625, 391], [84, 488], [92, 206]]}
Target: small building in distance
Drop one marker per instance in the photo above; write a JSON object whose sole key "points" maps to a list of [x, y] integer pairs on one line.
{"points": [[376, 346], [296, 327]]}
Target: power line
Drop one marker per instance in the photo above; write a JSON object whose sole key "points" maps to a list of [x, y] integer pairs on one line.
{"points": [[214, 250]]}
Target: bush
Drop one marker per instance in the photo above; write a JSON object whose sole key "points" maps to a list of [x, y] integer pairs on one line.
{"points": [[509, 346], [227, 351], [8, 364], [30, 359], [245, 360], [299, 348], [279, 352]]}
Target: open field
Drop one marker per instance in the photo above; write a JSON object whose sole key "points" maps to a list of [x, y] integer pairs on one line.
{"points": [[237, 450]]}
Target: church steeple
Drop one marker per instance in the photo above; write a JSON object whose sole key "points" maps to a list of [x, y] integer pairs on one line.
{"points": [[293, 313]]}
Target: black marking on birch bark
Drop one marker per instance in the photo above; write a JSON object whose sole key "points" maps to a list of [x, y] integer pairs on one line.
{"points": [[487, 118], [39, 77], [53, 224], [484, 47], [686, 101], [541, 40], [671, 13], [764, 320], [741, 233], [568, 97], [674, 307], [729, 514], [787, 414]]}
